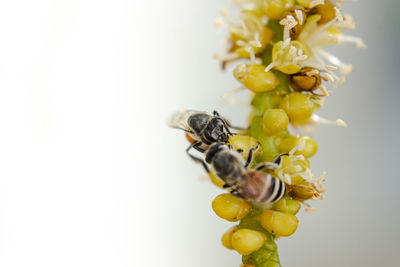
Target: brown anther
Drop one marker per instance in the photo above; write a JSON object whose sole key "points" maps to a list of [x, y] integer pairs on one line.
{"points": [[295, 31], [307, 79], [302, 192], [326, 11]]}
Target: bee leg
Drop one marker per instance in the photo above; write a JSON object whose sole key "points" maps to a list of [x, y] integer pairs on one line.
{"points": [[236, 192], [278, 159], [271, 165], [195, 146], [236, 127], [267, 165], [226, 186], [198, 148], [250, 157], [228, 124]]}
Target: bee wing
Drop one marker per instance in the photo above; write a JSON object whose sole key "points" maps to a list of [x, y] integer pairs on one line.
{"points": [[180, 118]]}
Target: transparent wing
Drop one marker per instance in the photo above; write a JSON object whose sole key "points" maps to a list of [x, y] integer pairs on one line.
{"points": [[180, 118]]}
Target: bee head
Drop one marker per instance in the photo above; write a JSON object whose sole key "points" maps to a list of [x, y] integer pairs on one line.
{"points": [[216, 131]]}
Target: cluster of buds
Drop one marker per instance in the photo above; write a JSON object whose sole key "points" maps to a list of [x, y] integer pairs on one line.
{"points": [[288, 72]]}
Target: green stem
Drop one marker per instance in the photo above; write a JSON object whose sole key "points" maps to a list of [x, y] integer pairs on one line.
{"points": [[267, 255]]}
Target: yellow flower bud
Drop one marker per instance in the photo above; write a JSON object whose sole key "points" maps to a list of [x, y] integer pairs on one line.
{"points": [[290, 142], [305, 3], [230, 208], [278, 223], [246, 241], [287, 205], [297, 106], [246, 32], [275, 121], [254, 77], [275, 8], [227, 237], [288, 58], [243, 144]]}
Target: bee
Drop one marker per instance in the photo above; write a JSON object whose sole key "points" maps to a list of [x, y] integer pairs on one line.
{"points": [[204, 128], [253, 185]]}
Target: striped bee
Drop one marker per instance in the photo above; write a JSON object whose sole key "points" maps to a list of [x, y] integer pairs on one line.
{"points": [[253, 185], [204, 128]]}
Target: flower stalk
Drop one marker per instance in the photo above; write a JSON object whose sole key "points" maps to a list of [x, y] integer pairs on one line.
{"points": [[288, 72]]}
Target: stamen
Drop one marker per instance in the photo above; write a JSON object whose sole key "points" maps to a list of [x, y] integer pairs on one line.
{"points": [[307, 175], [317, 119], [299, 147], [297, 157], [327, 77], [219, 22], [287, 179], [330, 67], [316, 3], [311, 210], [338, 14], [347, 23], [224, 12], [351, 39], [256, 42], [286, 43], [341, 81], [228, 97], [252, 55], [320, 188], [269, 67], [345, 68], [325, 92], [299, 15], [289, 22], [339, 3], [312, 72], [227, 57]]}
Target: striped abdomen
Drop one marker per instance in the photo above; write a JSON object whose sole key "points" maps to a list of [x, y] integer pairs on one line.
{"points": [[262, 187]]}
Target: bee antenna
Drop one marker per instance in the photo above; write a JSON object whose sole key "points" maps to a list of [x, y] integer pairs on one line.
{"points": [[215, 113]]}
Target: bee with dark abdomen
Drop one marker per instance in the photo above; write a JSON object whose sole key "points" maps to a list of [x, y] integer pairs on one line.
{"points": [[253, 185]]}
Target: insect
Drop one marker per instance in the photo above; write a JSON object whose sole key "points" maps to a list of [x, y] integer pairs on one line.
{"points": [[253, 185], [204, 128]]}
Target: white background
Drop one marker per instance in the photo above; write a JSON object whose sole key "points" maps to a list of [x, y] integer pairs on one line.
{"points": [[91, 176]]}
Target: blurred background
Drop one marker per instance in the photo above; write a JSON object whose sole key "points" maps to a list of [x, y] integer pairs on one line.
{"points": [[91, 176]]}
